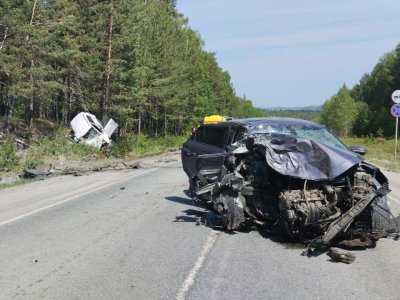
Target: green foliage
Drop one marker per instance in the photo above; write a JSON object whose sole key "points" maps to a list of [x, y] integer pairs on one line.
{"points": [[370, 112], [9, 158], [55, 146], [339, 113], [21, 181], [379, 150], [133, 146], [374, 90], [31, 163], [136, 61]]}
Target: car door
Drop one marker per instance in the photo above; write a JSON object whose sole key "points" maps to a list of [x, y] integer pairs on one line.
{"points": [[206, 149]]}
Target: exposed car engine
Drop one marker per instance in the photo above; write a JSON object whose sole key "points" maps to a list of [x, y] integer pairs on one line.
{"points": [[291, 186]]}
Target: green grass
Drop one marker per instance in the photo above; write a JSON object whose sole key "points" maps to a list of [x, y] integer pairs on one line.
{"points": [[15, 183], [133, 147], [55, 146], [9, 160], [58, 149], [65, 154], [380, 151]]}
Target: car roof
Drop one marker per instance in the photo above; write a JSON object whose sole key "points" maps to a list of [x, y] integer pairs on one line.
{"points": [[268, 120]]}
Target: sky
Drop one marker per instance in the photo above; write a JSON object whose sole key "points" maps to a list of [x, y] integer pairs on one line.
{"points": [[294, 53]]}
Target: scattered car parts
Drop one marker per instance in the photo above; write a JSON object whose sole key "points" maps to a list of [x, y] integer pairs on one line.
{"points": [[32, 173], [341, 256]]}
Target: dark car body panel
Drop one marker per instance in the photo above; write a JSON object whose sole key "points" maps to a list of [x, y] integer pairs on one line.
{"points": [[293, 156], [197, 155], [208, 147], [288, 175], [304, 158]]}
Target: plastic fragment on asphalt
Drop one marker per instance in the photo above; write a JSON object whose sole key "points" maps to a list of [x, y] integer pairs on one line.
{"points": [[341, 255]]}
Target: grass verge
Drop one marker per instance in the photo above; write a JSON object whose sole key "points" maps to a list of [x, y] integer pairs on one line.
{"points": [[380, 151], [62, 153], [15, 183]]}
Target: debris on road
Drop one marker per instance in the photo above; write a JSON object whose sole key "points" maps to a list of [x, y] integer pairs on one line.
{"points": [[89, 129], [167, 160], [341, 255], [77, 173], [32, 173], [357, 244], [135, 165]]}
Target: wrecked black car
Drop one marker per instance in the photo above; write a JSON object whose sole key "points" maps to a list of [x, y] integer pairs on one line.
{"points": [[290, 176]]}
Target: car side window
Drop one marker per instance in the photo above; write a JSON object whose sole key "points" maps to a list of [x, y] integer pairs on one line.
{"points": [[212, 135], [236, 136], [239, 135], [232, 134], [200, 135]]}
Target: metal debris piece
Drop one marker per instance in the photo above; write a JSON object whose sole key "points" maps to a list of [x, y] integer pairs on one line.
{"points": [[135, 165], [168, 160], [32, 173], [21, 143], [340, 255], [360, 243]]}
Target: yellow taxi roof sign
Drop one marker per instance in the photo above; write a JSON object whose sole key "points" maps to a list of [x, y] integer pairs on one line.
{"points": [[214, 119]]}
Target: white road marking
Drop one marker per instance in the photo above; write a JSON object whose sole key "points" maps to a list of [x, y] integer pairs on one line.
{"points": [[189, 281], [72, 198], [394, 199]]}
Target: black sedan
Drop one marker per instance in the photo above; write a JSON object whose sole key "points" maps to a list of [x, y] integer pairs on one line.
{"points": [[287, 175]]}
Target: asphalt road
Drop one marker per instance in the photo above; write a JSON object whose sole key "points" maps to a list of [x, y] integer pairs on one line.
{"points": [[133, 235]]}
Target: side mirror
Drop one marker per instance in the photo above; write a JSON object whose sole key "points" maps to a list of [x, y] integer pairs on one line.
{"points": [[358, 149]]}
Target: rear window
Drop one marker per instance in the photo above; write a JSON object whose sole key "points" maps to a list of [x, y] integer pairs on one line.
{"points": [[212, 135]]}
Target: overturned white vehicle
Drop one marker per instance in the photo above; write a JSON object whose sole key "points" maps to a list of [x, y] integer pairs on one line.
{"points": [[89, 129]]}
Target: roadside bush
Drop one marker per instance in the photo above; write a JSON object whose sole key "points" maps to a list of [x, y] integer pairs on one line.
{"points": [[172, 141], [134, 146], [31, 163], [9, 158], [123, 146], [57, 145], [380, 151]]}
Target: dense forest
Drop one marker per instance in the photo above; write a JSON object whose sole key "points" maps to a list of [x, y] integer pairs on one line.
{"points": [[137, 61], [364, 110]]}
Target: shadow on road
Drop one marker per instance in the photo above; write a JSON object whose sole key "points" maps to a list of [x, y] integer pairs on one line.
{"points": [[180, 200], [189, 215]]}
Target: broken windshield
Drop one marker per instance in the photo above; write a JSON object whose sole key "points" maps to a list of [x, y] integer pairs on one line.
{"points": [[316, 133]]}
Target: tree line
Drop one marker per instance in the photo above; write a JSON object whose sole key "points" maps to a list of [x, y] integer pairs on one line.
{"points": [[137, 61], [364, 109], [297, 114]]}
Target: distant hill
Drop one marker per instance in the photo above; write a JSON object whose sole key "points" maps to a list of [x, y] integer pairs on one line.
{"points": [[303, 108], [311, 113]]}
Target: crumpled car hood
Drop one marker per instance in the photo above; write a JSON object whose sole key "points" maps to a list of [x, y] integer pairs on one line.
{"points": [[304, 158]]}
